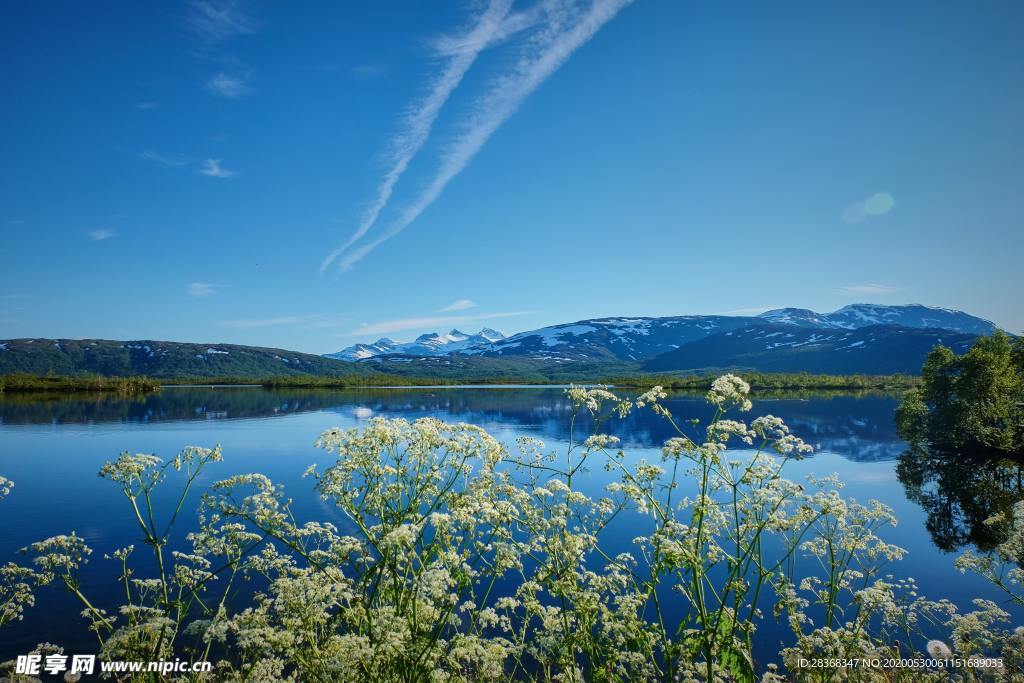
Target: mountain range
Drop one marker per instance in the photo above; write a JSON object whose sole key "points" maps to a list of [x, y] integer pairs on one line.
{"points": [[856, 339], [859, 338]]}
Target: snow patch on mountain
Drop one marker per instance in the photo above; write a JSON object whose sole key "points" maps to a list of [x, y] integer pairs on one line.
{"points": [[855, 316], [796, 316], [555, 336]]}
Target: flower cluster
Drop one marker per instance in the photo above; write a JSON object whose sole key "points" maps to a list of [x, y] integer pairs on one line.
{"points": [[730, 391], [1004, 567]]}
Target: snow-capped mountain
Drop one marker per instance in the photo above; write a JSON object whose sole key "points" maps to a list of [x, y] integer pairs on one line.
{"points": [[361, 351], [630, 339], [611, 338], [856, 316], [431, 344]]}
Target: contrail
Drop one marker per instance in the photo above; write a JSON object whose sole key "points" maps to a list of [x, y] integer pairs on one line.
{"points": [[417, 123], [502, 99], [510, 25]]}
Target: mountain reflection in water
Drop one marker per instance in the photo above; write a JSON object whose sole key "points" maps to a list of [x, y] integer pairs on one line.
{"points": [[859, 428]]}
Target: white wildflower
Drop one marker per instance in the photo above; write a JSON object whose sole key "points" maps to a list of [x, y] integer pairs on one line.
{"points": [[728, 391]]}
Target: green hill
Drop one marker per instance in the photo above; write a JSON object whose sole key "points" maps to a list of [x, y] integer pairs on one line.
{"points": [[162, 359]]}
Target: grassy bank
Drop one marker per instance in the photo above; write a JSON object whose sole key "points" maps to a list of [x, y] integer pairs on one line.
{"points": [[386, 380], [771, 381], [316, 381], [759, 382], [24, 383]]}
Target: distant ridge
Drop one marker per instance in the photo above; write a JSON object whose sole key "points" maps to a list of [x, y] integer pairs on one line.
{"points": [[160, 359], [790, 339]]}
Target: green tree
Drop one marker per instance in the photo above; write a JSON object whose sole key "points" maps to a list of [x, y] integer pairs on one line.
{"points": [[973, 400]]}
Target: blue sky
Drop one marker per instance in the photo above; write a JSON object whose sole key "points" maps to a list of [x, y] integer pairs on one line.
{"points": [[187, 171]]}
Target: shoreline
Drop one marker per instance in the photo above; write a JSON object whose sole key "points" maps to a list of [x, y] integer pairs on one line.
{"points": [[759, 383]]}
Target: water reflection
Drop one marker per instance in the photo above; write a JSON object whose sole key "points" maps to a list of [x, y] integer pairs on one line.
{"points": [[857, 427], [959, 492]]}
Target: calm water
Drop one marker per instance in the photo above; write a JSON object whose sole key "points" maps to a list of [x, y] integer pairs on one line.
{"points": [[52, 449]]}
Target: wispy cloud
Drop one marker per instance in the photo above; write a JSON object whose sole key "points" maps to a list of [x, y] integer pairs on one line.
{"points": [[251, 323], [214, 21], [869, 289], [458, 305], [877, 204], [228, 87], [101, 234], [415, 126], [201, 290], [425, 322], [169, 160], [212, 168], [557, 41], [145, 105]]}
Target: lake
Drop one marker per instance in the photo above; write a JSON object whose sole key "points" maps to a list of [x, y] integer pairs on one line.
{"points": [[52, 449]]}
